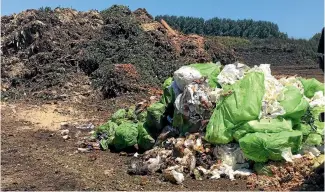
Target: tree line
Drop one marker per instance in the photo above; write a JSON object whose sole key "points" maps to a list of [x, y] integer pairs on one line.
{"points": [[224, 27]]}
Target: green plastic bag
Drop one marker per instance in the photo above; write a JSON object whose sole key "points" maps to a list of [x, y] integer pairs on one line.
{"points": [[180, 123], [168, 96], [316, 112], [209, 70], [145, 141], [242, 105], [155, 113], [267, 126], [130, 113], [263, 126], [305, 129], [314, 139], [142, 116], [261, 147], [238, 134], [311, 86], [126, 135], [294, 104], [167, 83], [310, 121], [108, 129], [118, 115]]}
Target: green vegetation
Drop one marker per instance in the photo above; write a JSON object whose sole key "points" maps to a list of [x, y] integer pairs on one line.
{"points": [[224, 27], [45, 9]]}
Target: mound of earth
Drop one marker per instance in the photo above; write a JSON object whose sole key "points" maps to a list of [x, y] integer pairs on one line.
{"points": [[39, 51], [47, 54], [56, 54]]}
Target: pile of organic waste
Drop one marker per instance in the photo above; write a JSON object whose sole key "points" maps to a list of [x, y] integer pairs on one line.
{"points": [[214, 121]]}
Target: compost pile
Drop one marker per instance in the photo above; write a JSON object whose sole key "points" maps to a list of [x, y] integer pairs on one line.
{"points": [[214, 121], [47, 54], [39, 52], [135, 38]]}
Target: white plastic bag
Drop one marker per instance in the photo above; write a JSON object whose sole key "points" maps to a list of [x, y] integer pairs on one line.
{"points": [[271, 107], [232, 73], [186, 75], [215, 95], [194, 100], [292, 81], [318, 100]]}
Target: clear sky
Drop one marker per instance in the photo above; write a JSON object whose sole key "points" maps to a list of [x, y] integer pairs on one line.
{"points": [[298, 18]]}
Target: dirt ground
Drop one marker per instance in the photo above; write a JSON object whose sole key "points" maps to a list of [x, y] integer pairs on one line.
{"points": [[34, 155]]}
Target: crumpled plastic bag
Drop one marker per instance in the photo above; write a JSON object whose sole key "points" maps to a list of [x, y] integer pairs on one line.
{"points": [[243, 104], [314, 139], [271, 107], [294, 103], [194, 101], [106, 134], [267, 125], [167, 96], [262, 169], [210, 71], [292, 81], [318, 100], [232, 73], [311, 122], [126, 135], [233, 161], [316, 112], [230, 154], [145, 141], [186, 75], [118, 115], [176, 89], [261, 147], [154, 118], [182, 123], [311, 86], [310, 150], [215, 95]]}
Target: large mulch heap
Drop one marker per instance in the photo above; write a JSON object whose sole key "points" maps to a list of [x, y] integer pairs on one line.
{"points": [[49, 53]]}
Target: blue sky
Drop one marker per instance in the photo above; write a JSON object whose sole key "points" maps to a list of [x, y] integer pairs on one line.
{"points": [[298, 18]]}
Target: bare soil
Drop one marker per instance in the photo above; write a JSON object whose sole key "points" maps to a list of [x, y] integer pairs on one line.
{"points": [[34, 156]]}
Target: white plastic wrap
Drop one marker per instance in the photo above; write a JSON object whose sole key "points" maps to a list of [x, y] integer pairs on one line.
{"points": [[186, 75], [271, 108], [233, 162], [215, 95], [318, 100], [232, 73], [194, 100], [292, 81]]}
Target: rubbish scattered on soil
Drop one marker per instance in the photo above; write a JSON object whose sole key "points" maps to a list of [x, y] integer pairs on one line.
{"points": [[89, 126], [65, 132], [211, 121], [219, 126], [66, 137], [83, 150]]}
